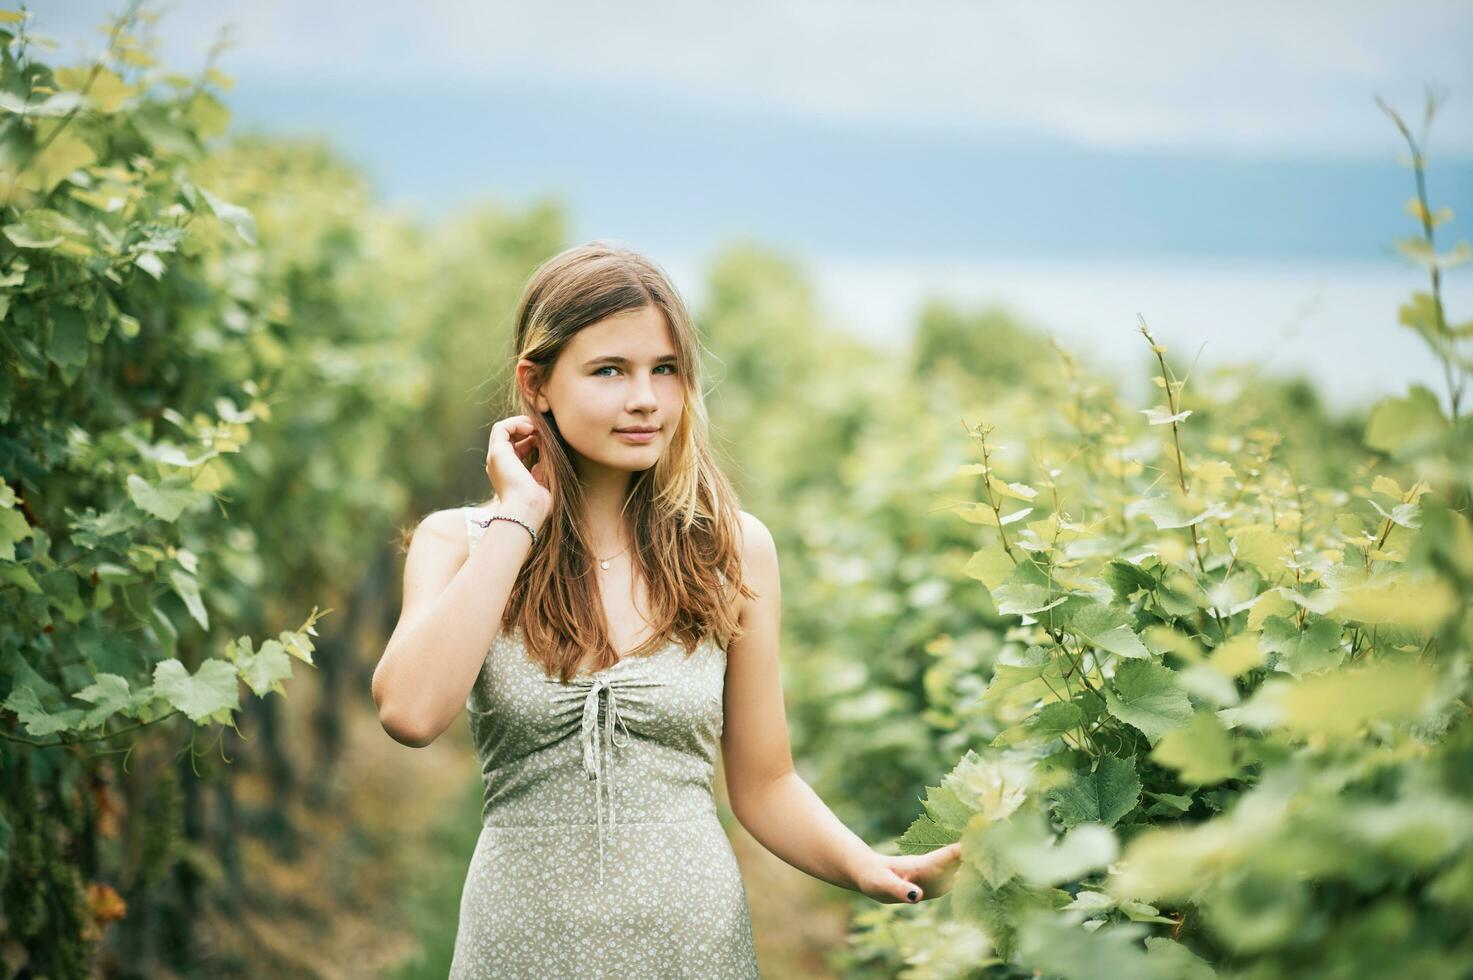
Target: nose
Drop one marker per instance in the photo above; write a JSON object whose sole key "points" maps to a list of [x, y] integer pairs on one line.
{"points": [[642, 396]]}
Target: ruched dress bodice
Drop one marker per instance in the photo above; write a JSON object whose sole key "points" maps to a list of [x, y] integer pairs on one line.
{"points": [[642, 735]]}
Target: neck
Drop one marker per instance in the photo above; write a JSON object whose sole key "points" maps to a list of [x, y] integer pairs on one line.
{"points": [[603, 504]]}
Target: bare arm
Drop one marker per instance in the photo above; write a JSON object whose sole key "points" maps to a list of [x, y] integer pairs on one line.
{"points": [[774, 803], [767, 795], [453, 601]]}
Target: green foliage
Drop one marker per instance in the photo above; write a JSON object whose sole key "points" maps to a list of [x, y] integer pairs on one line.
{"points": [[121, 399], [1103, 796], [227, 377], [1227, 731]]}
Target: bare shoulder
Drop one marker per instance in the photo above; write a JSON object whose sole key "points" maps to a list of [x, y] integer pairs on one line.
{"points": [[759, 550], [443, 531]]}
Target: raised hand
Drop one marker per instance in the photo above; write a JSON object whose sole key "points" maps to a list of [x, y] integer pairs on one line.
{"points": [[512, 439]]}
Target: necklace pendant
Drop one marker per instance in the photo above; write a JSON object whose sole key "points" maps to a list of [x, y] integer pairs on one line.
{"points": [[603, 564]]}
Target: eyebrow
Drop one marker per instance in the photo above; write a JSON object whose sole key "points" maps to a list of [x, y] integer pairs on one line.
{"points": [[615, 359]]}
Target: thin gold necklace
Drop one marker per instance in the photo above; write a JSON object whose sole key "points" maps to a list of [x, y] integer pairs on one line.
{"points": [[604, 563]]}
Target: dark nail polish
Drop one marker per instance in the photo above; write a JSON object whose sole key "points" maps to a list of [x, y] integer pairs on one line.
{"points": [[912, 895]]}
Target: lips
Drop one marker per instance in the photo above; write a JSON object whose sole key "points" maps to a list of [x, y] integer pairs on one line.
{"points": [[654, 428]]}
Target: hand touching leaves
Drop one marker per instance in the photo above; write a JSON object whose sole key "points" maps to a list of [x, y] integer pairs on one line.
{"points": [[893, 878]]}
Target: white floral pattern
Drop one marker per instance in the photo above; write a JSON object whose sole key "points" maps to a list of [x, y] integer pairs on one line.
{"points": [[601, 853]]}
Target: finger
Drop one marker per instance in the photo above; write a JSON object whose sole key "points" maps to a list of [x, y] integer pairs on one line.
{"points": [[511, 432], [512, 427], [904, 890], [939, 857]]}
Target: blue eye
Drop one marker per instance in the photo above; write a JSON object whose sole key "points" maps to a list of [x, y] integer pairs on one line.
{"points": [[610, 367]]}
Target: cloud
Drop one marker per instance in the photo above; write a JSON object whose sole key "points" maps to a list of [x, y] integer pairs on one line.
{"points": [[1252, 77]]}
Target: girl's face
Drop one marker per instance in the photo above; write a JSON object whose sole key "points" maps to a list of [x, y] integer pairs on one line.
{"points": [[617, 373]]}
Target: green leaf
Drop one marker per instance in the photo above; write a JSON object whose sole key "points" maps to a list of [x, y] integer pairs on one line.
{"points": [[55, 104], [1127, 579], [947, 811], [990, 565], [1091, 902], [233, 215], [1141, 912], [20, 577], [1263, 548], [1145, 694], [992, 785], [1338, 702], [1023, 846], [1023, 599], [210, 695], [37, 719], [186, 586], [924, 834], [1422, 316], [1403, 427], [1026, 590], [1162, 416], [27, 235], [56, 161], [1169, 958], [166, 635], [1206, 683], [1056, 718], [1019, 678], [1300, 652], [1202, 751], [299, 644], [1171, 511], [1056, 946], [1404, 515], [1173, 602], [264, 670], [167, 500], [154, 124], [108, 695], [997, 910], [1168, 804], [68, 349], [13, 527], [1109, 629], [989, 787], [1103, 796]]}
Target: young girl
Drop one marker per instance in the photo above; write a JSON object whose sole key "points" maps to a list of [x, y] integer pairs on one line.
{"points": [[631, 614]]}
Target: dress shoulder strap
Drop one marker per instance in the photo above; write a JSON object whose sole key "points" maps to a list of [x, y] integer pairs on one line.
{"points": [[473, 517], [473, 529]]}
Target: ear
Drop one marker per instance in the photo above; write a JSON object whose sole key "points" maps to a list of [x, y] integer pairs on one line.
{"points": [[528, 379]]}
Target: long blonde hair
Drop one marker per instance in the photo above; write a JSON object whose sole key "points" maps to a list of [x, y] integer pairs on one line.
{"points": [[683, 512]]}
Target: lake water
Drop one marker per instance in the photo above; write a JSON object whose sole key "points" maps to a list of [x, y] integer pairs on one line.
{"points": [[1332, 321]]}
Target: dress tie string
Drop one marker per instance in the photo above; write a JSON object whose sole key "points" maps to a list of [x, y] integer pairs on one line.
{"points": [[593, 763]]}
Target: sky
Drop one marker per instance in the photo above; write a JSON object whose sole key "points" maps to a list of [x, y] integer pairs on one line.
{"points": [[977, 148], [1250, 78]]}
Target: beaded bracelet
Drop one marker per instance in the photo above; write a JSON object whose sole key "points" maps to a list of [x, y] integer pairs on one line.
{"points": [[503, 517]]}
